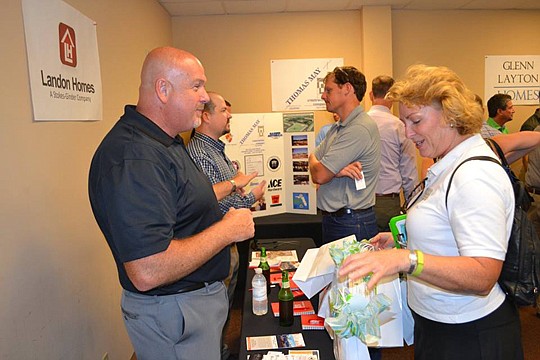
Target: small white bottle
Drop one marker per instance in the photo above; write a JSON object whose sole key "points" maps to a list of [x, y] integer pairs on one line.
{"points": [[260, 297]]}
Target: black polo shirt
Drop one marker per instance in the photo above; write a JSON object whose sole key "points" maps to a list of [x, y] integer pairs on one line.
{"points": [[145, 191]]}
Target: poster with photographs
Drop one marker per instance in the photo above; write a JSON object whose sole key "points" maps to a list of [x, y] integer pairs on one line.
{"points": [[277, 147]]}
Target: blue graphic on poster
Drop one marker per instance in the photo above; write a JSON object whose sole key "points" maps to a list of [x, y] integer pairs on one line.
{"points": [[301, 201]]}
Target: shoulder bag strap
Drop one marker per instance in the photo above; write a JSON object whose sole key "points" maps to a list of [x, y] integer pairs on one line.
{"points": [[497, 150], [485, 158]]}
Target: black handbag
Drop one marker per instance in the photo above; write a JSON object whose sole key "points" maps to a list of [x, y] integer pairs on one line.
{"points": [[520, 274]]}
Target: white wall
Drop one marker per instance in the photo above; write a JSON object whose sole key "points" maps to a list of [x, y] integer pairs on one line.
{"points": [[60, 293]]}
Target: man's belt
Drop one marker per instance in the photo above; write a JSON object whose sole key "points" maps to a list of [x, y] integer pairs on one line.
{"points": [[346, 211], [533, 189], [190, 288], [391, 195]]}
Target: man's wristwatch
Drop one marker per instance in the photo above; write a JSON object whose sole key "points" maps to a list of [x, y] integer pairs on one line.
{"points": [[233, 186]]}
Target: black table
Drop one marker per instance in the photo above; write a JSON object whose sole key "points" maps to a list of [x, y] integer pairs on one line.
{"points": [[278, 226], [253, 325], [289, 225]]}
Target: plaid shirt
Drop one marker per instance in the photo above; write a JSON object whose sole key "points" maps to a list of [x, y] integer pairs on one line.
{"points": [[488, 132], [209, 154]]}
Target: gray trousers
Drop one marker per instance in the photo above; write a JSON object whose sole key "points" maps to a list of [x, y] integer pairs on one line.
{"points": [[177, 327]]}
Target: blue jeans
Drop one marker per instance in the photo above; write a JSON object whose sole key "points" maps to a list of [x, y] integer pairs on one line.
{"points": [[363, 225]]}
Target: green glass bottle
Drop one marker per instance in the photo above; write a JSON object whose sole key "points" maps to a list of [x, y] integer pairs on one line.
{"points": [[286, 301], [265, 268]]}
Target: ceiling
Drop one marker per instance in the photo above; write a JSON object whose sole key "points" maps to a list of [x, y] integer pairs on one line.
{"points": [[243, 7]]}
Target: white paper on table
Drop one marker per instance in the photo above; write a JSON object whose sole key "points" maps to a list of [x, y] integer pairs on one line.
{"points": [[316, 269]]}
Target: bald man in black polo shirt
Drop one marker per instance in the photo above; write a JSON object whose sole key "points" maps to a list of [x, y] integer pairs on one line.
{"points": [[161, 218]]}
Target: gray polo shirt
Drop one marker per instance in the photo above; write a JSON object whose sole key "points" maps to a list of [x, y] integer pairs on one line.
{"points": [[354, 139]]}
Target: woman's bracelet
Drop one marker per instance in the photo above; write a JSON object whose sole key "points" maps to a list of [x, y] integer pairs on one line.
{"points": [[419, 263]]}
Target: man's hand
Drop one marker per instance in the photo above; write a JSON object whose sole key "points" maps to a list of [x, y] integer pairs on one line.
{"points": [[353, 171], [242, 180], [382, 240], [183, 256], [238, 224], [258, 191]]}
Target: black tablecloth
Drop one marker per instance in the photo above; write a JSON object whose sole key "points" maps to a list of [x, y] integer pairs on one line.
{"points": [[253, 325], [289, 225]]}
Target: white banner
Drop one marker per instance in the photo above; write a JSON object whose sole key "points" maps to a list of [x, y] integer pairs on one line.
{"points": [[63, 62], [515, 75], [298, 84], [277, 147]]}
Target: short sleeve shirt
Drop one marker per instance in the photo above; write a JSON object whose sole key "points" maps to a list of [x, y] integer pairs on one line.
{"points": [[145, 191], [476, 222], [354, 139]]}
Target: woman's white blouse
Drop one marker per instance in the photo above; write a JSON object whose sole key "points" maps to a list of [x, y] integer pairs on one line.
{"points": [[477, 223]]}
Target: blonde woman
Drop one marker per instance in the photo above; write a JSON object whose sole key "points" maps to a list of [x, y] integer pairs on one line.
{"points": [[455, 251]]}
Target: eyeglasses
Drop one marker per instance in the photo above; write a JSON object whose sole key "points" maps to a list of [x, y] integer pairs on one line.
{"points": [[343, 76], [415, 194]]}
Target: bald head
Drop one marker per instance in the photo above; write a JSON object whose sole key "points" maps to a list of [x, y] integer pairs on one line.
{"points": [[172, 91], [165, 62]]}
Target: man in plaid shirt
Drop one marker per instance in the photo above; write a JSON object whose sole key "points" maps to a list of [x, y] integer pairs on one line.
{"points": [[208, 151]]}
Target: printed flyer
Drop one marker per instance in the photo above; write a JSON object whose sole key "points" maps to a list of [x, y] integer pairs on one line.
{"points": [[276, 146]]}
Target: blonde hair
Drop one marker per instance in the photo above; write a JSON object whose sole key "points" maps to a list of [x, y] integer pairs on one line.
{"points": [[442, 88]]}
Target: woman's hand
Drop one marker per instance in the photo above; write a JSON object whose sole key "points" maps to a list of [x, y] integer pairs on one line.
{"points": [[378, 263]]}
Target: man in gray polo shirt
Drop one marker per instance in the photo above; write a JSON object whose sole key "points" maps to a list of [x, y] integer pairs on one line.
{"points": [[349, 152]]}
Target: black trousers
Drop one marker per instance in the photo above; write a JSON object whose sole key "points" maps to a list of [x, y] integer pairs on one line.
{"points": [[496, 336]]}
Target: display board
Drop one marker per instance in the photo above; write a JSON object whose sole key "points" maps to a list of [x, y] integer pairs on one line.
{"points": [[277, 147]]}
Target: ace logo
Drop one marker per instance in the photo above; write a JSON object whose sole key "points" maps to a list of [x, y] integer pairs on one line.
{"points": [[274, 183], [67, 45]]}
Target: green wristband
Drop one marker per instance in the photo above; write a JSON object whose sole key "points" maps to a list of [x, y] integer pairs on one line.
{"points": [[419, 263]]}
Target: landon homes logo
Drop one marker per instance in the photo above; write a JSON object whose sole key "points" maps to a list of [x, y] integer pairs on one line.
{"points": [[67, 45]]}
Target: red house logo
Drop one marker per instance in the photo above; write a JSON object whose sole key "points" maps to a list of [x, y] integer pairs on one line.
{"points": [[67, 45]]}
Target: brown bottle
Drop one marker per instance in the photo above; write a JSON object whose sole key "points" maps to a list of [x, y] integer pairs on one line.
{"points": [[286, 301]]}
